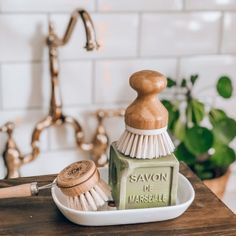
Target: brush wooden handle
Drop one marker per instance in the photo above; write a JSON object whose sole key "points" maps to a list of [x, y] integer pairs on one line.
{"points": [[23, 190], [147, 112]]}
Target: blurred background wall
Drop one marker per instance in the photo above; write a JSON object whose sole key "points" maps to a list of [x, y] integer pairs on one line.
{"points": [[175, 37]]}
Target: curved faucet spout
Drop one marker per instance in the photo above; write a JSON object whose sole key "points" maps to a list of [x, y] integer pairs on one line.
{"points": [[54, 42], [91, 41]]}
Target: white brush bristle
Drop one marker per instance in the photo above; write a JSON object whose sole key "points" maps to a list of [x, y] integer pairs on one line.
{"points": [[93, 199], [145, 146]]}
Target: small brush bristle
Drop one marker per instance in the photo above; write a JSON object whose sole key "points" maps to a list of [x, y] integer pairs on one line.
{"points": [[91, 200]]}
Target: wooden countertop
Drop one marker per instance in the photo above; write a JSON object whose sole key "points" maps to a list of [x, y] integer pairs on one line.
{"points": [[39, 215]]}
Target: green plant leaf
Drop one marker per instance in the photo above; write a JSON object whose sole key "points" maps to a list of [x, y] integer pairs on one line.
{"points": [[170, 82], [198, 139], [183, 154], [183, 83], [223, 156], [224, 87], [193, 79], [195, 111], [203, 171], [189, 113], [173, 113], [206, 175], [215, 115], [179, 130], [225, 130], [198, 111]]}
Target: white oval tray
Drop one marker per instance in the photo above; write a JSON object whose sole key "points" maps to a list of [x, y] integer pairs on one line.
{"points": [[185, 197]]}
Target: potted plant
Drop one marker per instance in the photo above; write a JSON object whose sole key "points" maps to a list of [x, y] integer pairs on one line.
{"points": [[202, 133]]}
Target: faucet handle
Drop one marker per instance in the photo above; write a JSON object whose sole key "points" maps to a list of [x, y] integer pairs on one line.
{"points": [[7, 127]]}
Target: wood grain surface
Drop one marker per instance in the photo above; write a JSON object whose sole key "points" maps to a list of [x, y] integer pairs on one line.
{"points": [[39, 216], [146, 111]]}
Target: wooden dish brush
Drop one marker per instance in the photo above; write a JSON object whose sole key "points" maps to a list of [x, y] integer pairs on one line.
{"points": [[146, 119], [80, 182]]}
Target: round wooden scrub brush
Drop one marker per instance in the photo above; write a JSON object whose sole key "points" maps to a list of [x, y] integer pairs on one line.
{"points": [[82, 185], [80, 182], [146, 119]]}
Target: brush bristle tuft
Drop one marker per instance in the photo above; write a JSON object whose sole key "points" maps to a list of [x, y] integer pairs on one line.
{"points": [[145, 146], [93, 199]]}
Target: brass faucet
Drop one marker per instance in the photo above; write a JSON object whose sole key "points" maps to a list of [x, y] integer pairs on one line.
{"points": [[12, 156], [56, 116]]}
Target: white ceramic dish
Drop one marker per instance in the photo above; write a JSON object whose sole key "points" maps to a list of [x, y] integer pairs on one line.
{"points": [[185, 197]]}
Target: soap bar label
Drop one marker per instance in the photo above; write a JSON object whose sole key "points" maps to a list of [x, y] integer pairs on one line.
{"points": [[148, 187], [148, 177], [147, 198]]}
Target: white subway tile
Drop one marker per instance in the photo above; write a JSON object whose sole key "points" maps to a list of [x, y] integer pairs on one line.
{"points": [[76, 82], [210, 4], [112, 77], [25, 122], [115, 126], [116, 34], [52, 162], [229, 196], [180, 34], [22, 37], [28, 85], [139, 5], [209, 68], [45, 5], [228, 105], [3, 138], [25, 85], [62, 137], [229, 33], [2, 168]]}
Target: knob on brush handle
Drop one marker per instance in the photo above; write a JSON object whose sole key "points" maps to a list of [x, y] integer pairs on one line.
{"points": [[147, 112], [148, 82]]}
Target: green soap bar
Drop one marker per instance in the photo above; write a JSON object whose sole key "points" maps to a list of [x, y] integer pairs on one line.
{"points": [[142, 183]]}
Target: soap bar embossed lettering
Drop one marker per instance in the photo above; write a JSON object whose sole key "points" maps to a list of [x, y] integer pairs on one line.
{"points": [[148, 187], [148, 195], [147, 177], [149, 198]]}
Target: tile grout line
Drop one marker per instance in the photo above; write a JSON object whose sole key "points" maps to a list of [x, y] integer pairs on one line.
{"points": [[93, 89], [59, 149], [178, 60], [96, 5], [139, 33], [183, 10], [183, 5], [178, 63], [74, 106], [118, 58], [221, 30]]}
